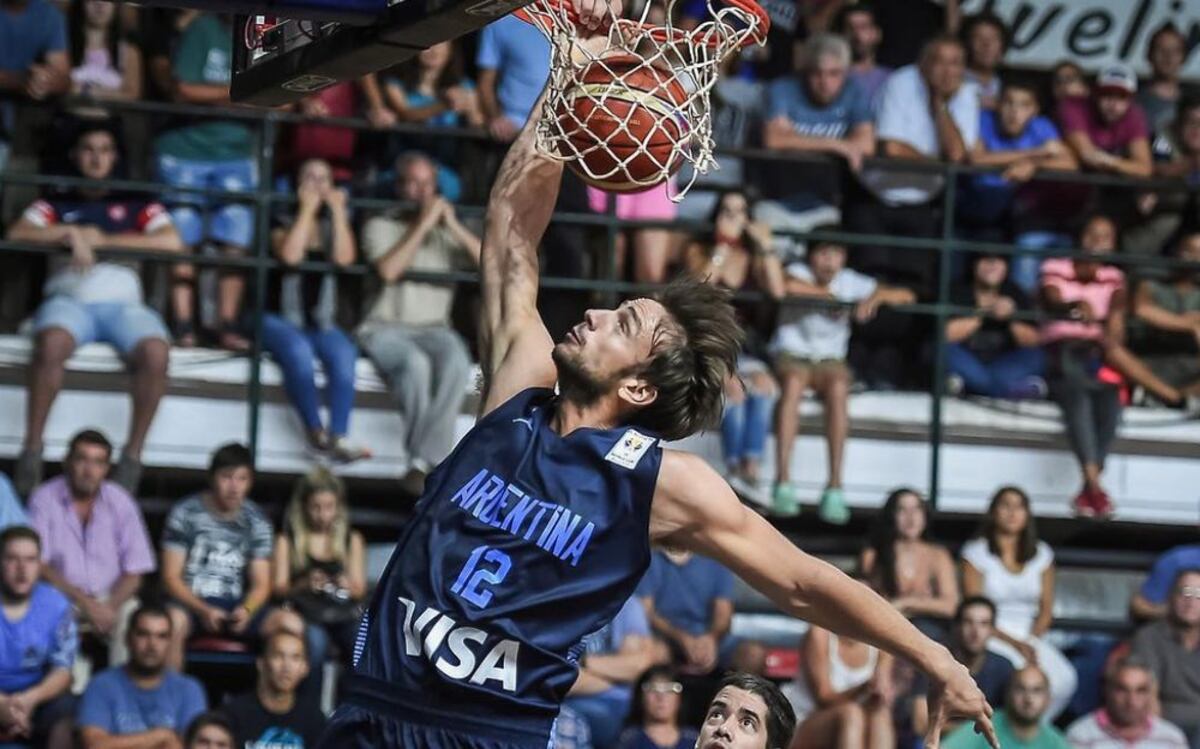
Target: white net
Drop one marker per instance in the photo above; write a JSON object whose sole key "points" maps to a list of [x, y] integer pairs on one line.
{"points": [[598, 86]]}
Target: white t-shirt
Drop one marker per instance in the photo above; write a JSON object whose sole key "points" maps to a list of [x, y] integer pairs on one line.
{"points": [[1092, 731], [820, 334], [1017, 595], [904, 116]]}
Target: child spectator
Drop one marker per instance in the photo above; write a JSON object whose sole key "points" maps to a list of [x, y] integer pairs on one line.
{"points": [[319, 561], [213, 153], [1088, 300], [906, 567], [40, 641], [810, 346], [89, 301], [990, 353], [843, 694], [273, 713], [96, 549], [143, 703], [986, 39], [654, 722], [738, 255], [1108, 131], [1171, 648], [1009, 565], [1167, 336], [300, 326], [216, 552], [406, 328], [1166, 52], [1001, 205], [105, 63], [815, 111], [859, 25]]}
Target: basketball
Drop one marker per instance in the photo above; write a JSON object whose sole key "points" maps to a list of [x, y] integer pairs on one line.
{"points": [[624, 118]]}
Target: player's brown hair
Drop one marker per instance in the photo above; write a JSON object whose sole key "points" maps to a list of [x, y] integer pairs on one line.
{"points": [[690, 367]]}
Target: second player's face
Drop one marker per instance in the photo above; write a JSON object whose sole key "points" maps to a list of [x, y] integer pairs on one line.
{"points": [[736, 719]]}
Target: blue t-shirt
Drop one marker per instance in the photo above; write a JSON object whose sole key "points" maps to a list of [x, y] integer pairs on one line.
{"points": [[521, 56], [1157, 586], [684, 594], [1038, 131], [28, 34], [42, 640], [636, 738], [787, 96], [113, 703]]}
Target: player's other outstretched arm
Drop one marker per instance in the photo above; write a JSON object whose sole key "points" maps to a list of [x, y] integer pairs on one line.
{"points": [[695, 509], [514, 344]]}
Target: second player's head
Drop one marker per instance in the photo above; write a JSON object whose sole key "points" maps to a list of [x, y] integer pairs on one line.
{"points": [[660, 363]]}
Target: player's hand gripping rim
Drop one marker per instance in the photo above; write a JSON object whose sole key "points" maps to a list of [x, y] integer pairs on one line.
{"points": [[955, 695], [596, 16]]}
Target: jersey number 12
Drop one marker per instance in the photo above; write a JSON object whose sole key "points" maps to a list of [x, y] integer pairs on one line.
{"points": [[472, 582]]}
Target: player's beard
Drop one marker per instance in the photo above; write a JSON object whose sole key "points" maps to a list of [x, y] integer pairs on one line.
{"points": [[575, 383]]}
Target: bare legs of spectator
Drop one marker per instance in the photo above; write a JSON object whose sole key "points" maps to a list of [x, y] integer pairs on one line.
{"points": [[793, 382], [651, 255], [51, 349], [148, 365], [183, 304], [181, 631], [231, 286], [832, 385], [849, 725]]}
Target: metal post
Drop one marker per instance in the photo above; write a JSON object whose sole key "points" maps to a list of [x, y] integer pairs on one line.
{"points": [[945, 253], [262, 229]]}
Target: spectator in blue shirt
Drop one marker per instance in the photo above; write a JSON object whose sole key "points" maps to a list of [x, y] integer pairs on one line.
{"points": [[143, 701], [1016, 138], [33, 58], [38, 642], [11, 511], [1150, 601], [689, 603], [818, 111], [514, 63], [613, 660]]}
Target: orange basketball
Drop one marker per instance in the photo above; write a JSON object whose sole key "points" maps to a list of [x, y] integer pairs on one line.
{"points": [[616, 157]]}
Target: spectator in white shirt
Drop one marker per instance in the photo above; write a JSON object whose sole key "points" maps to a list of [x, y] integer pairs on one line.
{"points": [[1127, 719]]}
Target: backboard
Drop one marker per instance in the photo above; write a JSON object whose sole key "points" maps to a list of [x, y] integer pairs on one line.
{"points": [[287, 49]]}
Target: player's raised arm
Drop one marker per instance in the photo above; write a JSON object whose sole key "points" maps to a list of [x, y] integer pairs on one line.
{"points": [[694, 508], [514, 345]]}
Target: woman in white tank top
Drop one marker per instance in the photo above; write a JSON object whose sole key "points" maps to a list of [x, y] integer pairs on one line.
{"points": [[842, 695], [1009, 565]]}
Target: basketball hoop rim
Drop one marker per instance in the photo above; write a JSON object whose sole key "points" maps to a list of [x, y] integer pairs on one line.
{"points": [[665, 34]]}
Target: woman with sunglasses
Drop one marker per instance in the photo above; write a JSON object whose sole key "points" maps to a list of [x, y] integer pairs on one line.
{"points": [[654, 720]]}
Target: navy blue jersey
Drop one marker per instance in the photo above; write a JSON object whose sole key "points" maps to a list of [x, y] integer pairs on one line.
{"points": [[524, 542]]}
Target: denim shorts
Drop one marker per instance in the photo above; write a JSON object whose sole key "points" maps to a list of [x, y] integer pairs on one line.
{"points": [[122, 326], [199, 217]]}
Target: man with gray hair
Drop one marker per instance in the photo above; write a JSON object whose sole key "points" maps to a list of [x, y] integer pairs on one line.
{"points": [[816, 111], [406, 330], [1127, 719]]}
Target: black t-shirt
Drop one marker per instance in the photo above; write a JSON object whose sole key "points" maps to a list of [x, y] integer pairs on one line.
{"points": [[256, 728], [994, 337]]}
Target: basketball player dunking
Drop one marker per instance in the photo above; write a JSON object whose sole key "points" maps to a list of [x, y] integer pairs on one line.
{"points": [[538, 527]]}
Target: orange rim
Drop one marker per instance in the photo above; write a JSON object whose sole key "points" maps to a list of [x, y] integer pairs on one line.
{"points": [[663, 33]]}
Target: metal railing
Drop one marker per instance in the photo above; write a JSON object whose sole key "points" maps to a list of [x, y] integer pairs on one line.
{"points": [[259, 262]]}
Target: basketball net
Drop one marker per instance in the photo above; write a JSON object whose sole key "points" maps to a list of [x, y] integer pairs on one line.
{"points": [[690, 57]]}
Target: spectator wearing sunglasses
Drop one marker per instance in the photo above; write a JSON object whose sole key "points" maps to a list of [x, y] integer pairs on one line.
{"points": [[654, 720]]}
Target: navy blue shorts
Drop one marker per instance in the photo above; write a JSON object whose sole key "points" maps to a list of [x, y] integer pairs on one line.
{"points": [[353, 727]]}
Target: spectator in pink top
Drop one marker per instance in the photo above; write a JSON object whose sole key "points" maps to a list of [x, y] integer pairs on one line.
{"points": [[1108, 130], [95, 547], [1086, 355]]}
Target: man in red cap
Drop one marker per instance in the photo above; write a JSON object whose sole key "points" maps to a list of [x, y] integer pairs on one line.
{"points": [[1108, 130]]}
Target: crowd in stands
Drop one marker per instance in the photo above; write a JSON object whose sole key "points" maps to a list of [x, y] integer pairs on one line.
{"points": [[83, 583]]}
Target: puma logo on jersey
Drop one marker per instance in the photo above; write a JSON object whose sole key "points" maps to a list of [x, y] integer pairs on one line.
{"points": [[455, 649]]}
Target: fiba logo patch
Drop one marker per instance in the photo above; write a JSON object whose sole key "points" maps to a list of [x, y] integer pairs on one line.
{"points": [[629, 449]]}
